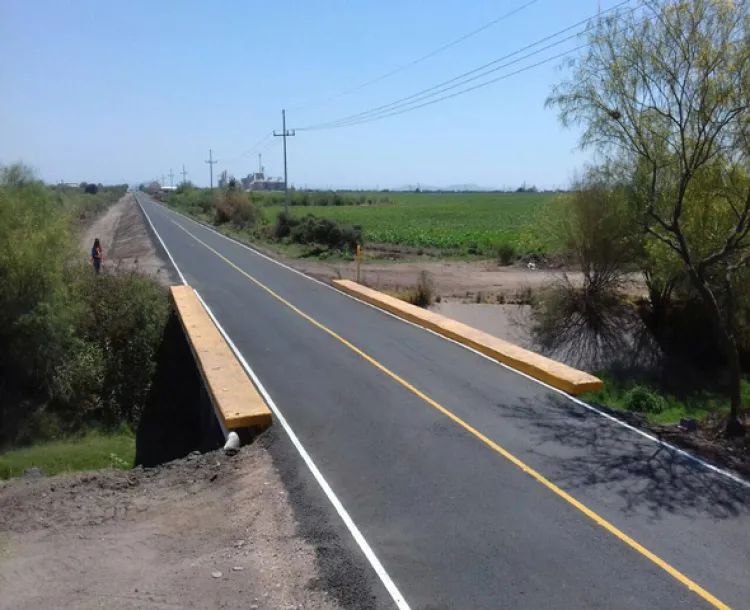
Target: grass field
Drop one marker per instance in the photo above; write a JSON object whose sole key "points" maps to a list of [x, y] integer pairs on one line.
{"points": [[91, 452], [474, 222]]}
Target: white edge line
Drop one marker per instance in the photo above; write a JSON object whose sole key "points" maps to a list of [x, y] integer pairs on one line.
{"points": [[161, 241], [390, 586], [352, 527], [585, 405]]}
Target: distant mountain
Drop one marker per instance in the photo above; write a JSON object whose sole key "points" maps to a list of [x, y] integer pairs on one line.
{"points": [[450, 187], [466, 187]]}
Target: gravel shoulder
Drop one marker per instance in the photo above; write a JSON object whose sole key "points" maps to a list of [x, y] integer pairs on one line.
{"points": [[208, 531]]}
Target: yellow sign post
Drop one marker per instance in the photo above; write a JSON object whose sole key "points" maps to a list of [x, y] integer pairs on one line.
{"points": [[359, 264]]}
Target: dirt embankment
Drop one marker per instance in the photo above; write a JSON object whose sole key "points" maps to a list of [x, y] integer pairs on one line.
{"points": [[208, 531], [127, 243]]}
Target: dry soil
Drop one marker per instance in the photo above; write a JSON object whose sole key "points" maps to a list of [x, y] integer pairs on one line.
{"points": [[208, 531]]}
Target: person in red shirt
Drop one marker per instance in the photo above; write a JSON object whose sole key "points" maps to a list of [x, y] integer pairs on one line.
{"points": [[96, 256]]}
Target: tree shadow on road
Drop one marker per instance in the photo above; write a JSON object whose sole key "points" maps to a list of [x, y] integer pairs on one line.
{"points": [[586, 451]]}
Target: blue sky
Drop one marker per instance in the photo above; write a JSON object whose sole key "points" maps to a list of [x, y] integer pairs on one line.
{"points": [[125, 90]]}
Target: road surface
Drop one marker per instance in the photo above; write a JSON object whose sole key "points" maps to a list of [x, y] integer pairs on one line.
{"points": [[474, 486]]}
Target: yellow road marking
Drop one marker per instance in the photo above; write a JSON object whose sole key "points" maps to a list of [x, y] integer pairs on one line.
{"points": [[490, 443]]}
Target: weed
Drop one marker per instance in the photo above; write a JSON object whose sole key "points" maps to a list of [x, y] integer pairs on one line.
{"points": [[425, 290], [506, 254], [642, 399]]}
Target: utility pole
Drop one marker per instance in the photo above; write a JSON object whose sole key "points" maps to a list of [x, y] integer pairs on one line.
{"points": [[260, 163], [171, 177], [163, 179], [211, 162], [284, 133], [184, 174]]}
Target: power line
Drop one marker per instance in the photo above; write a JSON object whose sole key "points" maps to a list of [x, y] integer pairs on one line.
{"points": [[252, 148], [387, 109], [452, 95], [433, 91], [420, 59]]}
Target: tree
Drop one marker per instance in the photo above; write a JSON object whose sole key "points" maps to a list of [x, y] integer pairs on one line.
{"points": [[91, 189], [664, 90]]}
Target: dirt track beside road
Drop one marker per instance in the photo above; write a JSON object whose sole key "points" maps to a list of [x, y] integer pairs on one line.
{"points": [[127, 243]]}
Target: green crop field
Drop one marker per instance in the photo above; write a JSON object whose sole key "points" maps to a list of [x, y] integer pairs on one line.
{"points": [[448, 221]]}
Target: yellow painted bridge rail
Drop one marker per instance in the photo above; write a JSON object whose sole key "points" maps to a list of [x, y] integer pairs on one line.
{"points": [[551, 372], [237, 402]]}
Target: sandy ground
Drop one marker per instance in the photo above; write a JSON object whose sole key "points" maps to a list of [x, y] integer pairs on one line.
{"points": [[126, 242], [210, 531], [453, 279]]}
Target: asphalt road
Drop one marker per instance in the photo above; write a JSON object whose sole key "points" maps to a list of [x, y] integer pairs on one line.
{"points": [[455, 523]]}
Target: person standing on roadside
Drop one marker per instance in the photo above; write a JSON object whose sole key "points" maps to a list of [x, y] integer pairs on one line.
{"points": [[96, 256]]}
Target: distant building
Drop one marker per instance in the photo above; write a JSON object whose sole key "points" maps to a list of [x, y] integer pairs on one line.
{"points": [[258, 182], [224, 179]]}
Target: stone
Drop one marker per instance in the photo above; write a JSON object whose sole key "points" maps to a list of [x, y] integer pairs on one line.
{"points": [[688, 425]]}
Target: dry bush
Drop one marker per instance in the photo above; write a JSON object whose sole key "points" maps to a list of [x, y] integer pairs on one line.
{"points": [[592, 325], [424, 292], [590, 328]]}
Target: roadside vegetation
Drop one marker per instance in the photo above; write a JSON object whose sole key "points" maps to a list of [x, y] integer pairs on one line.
{"points": [[240, 213], [422, 294], [89, 451], [189, 197], [77, 351], [502, 226], [663, 97]]}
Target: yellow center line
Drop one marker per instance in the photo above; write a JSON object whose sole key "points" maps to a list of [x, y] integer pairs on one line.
{"points": [[490, 443]]}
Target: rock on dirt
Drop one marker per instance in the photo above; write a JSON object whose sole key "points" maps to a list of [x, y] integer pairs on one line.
{"points": [[158, 537]]}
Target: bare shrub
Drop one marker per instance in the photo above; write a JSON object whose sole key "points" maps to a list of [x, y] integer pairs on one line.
{"points": [[592, 325], [425, 290], [423, 294], [589, 328]]}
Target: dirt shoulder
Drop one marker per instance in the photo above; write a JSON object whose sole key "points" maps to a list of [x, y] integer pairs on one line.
{"points": [[208, 531], [127, 243], [471, 281]]}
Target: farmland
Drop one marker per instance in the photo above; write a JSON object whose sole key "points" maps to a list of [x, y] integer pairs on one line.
{"points": [[469, 222]]}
